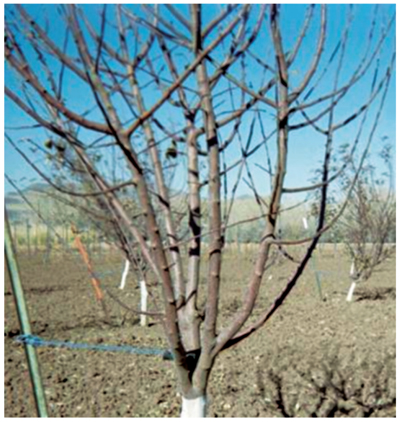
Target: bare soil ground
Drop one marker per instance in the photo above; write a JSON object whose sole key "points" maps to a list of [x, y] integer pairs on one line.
{"points": [[313, 358]]}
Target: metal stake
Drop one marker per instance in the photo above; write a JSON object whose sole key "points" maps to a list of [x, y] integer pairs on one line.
{"points": [[23, 317]]}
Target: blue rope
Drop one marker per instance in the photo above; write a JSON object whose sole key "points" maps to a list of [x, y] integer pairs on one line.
{"points": [[36, 341]]}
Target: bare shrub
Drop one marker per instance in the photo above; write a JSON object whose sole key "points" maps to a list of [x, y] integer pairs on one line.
{"points": [[330, 387]]}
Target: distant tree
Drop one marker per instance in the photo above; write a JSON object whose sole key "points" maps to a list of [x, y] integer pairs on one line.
{"points": [[193, 86], [369, 223]]}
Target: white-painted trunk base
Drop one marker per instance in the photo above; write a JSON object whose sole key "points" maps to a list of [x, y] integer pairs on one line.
{"points": [[143, 302], [351, 291], [125, 274], [194, 408]]}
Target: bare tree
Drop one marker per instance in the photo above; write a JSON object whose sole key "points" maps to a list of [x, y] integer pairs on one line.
{"points": [[369, 223], [193, 86]]}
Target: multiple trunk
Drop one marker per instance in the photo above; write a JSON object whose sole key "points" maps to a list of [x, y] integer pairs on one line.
{"points": [[156, 235]]}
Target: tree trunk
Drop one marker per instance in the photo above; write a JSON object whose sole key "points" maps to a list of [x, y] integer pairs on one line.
{"points": [[125, 274], [143, 302], [194, 408]]}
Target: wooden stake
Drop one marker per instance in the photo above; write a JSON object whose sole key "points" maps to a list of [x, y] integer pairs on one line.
{"points": [[94, 280]]}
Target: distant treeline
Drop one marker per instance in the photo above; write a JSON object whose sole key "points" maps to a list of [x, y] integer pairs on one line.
{"points": [[59, 217]]}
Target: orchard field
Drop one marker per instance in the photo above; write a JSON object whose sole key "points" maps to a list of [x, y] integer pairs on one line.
{"points": [[317, 356]]}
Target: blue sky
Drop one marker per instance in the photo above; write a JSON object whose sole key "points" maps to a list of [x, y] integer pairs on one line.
{"points": [[306, 148]]}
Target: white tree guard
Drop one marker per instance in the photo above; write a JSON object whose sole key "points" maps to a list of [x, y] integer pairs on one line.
{"points": [[305, 223], [143, 302], [194, 408], [125, 274], [351, 291]]}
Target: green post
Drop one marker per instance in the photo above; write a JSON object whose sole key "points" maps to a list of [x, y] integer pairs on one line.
{"points": [[36, 237], [313, 263], [334, 241], [28, 236], [238, 238], [23, 317], [15, 237], [48, 246], [317, 277]]}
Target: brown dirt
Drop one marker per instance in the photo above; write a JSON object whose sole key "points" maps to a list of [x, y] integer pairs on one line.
{"points": [[313, 358]]}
